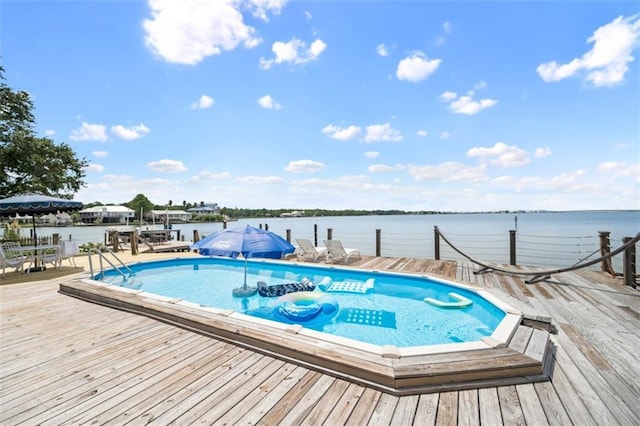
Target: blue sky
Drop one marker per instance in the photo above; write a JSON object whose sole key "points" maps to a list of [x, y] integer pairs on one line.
{"points": [[416, 105]]}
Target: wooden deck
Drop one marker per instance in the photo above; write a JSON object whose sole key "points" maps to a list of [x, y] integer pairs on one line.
{"points": [[66, 361]]}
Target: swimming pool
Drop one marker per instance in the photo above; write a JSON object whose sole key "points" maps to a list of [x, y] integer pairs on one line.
{"points": [[505, 349], [379, 308]]}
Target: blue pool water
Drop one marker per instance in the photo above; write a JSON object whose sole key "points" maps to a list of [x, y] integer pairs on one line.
{"points": [[392, 312]]}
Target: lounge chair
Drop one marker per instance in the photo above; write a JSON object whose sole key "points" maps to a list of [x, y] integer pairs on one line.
{"points": [[12, 256], [308, 252], [338, 254]]}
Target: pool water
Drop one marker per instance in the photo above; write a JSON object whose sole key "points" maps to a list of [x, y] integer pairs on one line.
{"points": [[393, 312]]}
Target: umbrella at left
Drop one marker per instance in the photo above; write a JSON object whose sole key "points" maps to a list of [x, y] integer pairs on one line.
{"points": [[36, 204]]}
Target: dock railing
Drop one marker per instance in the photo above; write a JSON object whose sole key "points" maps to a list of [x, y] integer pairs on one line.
{"points": [[516, 249]]}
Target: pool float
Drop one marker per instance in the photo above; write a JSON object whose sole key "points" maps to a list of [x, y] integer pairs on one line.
{"points": [[306, 305], [459, 302], [280, 289], [352, 286]]}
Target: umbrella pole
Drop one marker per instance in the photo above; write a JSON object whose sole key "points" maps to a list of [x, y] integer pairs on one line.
{"points": [[36, 266], [245, 273]]}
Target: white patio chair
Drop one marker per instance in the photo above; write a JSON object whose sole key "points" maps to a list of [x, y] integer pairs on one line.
{"points": [[307, 251], [12, 256], [52, 256], [338, 254]]}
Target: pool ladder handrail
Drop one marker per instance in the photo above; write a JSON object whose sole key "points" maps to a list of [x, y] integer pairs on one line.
{"points": [[100, 251]]}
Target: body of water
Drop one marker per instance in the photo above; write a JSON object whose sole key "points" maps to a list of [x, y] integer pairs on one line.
{"points": [[556, 239]]}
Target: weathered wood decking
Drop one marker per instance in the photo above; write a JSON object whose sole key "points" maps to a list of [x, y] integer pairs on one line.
{"points": [[63, 360]]}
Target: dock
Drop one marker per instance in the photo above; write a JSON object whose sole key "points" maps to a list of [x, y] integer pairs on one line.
{"points": [[67, 361]]}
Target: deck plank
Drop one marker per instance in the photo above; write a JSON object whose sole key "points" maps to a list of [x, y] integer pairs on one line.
{"points": [[427, 410], [468, 410], [510, 406], [447, 409]]}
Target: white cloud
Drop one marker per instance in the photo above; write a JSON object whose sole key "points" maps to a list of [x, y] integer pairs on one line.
{"points": [[210, 176], [167, 166], [259, 8], [446, 29], [422, 133], [268, 102], [380, 168], [381, 49], [203, 103], [94, 167], [448, 96], [261, 179], [466, 104], [625, 170], [294, 52], [542, 152], [445, 135], [480, 85], [416, 67], [501, 155], [188, 31], [130, 133], [371, 154], [100, 154], [448, 172], [382, 132], [607, 62], [49, 133], [308, 15], [304, 166], [341, 133], [89, 132]]}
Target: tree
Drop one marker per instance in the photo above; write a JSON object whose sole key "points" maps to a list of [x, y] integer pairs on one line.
{"points": [[140, 201], [29, 163]]}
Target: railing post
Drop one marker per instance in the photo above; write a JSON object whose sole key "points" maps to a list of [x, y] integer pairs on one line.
{"points": [[436, 243], [134, 241], [605, 249], [629, 264], [378, 242], [196, 236], [115, 237], [315, 235], [512, 247], [288, 233], [266, 226], [329, 233]]}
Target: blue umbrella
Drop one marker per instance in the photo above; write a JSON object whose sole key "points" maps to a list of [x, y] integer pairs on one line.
{"points": [[248, 242]]}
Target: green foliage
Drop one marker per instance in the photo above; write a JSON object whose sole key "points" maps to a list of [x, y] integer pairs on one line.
{"points": [[11, 231], [138, 202], [85, 248], [207, 218], [29, 163]]}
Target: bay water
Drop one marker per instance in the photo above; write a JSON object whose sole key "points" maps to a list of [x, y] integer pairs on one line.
{"points": [[554, 239]]}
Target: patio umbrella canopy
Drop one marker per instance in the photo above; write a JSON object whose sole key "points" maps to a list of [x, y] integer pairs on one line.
{"points": [[248, 242], [36, 204]]}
